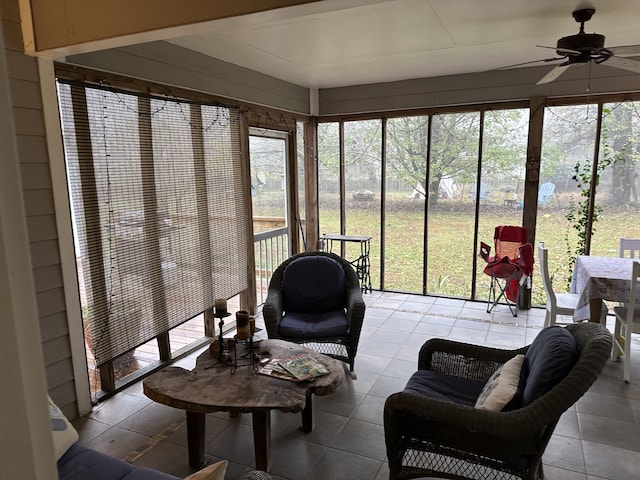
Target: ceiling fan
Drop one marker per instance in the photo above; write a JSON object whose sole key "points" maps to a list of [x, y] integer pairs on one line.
{"points": [[583, 48]]}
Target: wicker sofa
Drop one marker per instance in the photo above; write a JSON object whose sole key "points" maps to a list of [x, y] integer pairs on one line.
{"points": [[433, 435]]}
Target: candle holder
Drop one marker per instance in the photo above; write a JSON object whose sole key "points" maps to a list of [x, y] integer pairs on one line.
{"points": [[250, 357], [221, 315], [244, 335]]}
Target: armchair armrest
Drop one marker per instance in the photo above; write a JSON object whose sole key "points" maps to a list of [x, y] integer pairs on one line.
{"points": [[355, 306], [272, 309], [408, 415]]}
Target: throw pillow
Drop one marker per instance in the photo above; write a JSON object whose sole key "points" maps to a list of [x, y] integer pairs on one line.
{"points": [[502, 386], [64, 435], [215, 471]]}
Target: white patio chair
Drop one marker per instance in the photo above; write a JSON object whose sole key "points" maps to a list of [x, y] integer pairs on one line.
{"points": [[627, 323], [558, 303], [630, 248]]}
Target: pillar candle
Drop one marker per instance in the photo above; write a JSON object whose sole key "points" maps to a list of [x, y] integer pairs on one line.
{"points": [[252, 324], [242, 324], [221, 306]]}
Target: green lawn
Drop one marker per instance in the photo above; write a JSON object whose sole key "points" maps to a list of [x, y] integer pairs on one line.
{"points": [[451, 241]]}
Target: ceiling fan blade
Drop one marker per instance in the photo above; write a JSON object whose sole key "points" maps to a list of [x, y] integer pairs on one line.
{"points": [[542, 60], [623, 63], [562, 51], [625, 50], [553, 74]]}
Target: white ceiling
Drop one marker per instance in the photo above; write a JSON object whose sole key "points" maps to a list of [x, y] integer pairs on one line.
{"points": [[336, 43]]}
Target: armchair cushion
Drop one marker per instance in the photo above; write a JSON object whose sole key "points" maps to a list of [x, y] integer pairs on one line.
{"points": [[550, 357], [323, 291], [313, 325], [444, 387]]}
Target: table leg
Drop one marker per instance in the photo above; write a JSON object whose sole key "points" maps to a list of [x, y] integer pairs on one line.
{"points": [[195, 438], [262, 439], [595, 310], [307, 415]]}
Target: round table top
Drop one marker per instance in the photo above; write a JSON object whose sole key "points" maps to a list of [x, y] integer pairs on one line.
{"points": [[211, 386]]}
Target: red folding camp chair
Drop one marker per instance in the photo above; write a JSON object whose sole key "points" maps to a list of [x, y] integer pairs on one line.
{"points": [[510, 267]]}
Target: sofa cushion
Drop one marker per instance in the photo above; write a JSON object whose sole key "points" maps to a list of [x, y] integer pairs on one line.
{"points": [[82, 463], [502, 386], [547, 361], [313, 325], [444, 387], [64, 435], [313, 283]]}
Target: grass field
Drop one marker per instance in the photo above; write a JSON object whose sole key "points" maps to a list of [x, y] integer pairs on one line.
{"points": [[451, 243]]}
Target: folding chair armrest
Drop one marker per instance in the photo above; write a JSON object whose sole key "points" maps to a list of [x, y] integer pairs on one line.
{"points": [[485, 251]]}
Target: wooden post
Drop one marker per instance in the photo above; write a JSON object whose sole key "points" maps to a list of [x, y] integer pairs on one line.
{"points": [[248, 297], [312, 226], [532, 180]]}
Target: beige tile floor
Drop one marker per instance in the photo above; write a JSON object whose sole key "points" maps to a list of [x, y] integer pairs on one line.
{"points": [[599, 437]]}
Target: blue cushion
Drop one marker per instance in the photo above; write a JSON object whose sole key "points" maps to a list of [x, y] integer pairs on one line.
{"points": [[547, 361], [455, 389], [312, 284], [313, 325], [445, 387], [81, 463]]}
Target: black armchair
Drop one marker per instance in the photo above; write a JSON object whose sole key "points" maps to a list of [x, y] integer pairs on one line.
{"points": [[437, 437], [314, 299]]}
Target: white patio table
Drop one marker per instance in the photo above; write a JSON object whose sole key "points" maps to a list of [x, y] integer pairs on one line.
{"points": [[598, 278]]}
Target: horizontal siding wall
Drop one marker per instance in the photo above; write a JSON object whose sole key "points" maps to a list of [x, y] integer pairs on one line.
{"points": [[469, 89], [163, 62], [40, 211]]}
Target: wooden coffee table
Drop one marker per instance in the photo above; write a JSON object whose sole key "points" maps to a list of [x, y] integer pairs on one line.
{"points": [[210, 387]]}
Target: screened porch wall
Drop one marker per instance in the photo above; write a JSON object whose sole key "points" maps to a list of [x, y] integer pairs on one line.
{"points": [[179, 67]]}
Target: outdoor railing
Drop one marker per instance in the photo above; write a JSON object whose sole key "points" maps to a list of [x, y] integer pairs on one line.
{"points": [[271, 249]]}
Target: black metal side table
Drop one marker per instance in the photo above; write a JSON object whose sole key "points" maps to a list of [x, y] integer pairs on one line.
{"points": [[362, 263]]}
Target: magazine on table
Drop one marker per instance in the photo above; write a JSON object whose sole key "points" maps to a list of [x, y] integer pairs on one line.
{"points": [[272, 368], [296, 369], [304, 367]]}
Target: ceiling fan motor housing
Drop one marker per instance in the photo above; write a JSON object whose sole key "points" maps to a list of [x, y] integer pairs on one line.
{"points": [[590, 43]]}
